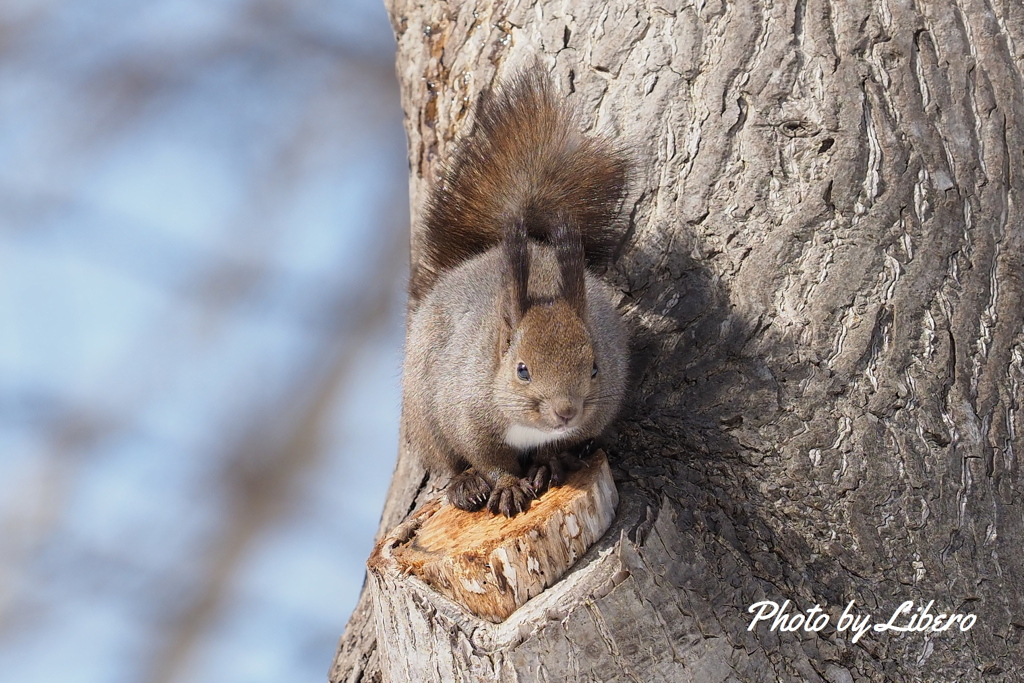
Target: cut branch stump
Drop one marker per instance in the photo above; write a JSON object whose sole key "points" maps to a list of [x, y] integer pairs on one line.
{"points": [[477, 566]]}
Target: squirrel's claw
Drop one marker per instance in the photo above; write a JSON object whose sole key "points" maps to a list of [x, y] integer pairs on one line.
{"points": [[469, 490], [539, 476], [510, 497], [552, 470]]}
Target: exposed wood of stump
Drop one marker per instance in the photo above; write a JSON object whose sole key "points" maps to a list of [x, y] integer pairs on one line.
{"points": [[492, 565], [472, 566]]}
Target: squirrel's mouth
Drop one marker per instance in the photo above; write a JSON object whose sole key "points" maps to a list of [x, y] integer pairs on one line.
{"points": [[563, 430], [560, 432], [564, 427]]}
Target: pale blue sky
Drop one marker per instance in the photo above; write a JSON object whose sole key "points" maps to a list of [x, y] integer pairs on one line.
{"points": [[203, 224]]}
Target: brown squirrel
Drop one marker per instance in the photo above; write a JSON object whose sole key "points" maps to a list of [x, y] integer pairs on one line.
{"points": [[515, 354]]}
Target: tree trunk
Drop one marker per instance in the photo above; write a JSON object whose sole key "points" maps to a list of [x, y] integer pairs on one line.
{"points": [[824, 282]]}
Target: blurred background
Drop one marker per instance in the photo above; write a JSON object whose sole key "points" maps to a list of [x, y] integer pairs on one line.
{"points": [[203, 245]]}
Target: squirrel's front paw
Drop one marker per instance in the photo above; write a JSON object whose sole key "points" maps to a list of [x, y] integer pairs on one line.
{"points": [[552, 470], [469, 490], [511, 495]]}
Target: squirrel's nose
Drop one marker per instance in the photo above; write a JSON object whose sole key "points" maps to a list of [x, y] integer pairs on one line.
{"points": [[564, 411]]}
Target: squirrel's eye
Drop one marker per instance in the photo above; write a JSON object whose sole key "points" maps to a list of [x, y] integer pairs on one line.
{"points": [[522, 372], [593, 373]]}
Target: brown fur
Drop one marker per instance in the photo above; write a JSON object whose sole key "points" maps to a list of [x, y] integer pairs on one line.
{"points": [[510, 325], [525, 159]]}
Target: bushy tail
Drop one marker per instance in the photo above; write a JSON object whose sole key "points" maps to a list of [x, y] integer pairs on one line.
{"points": [[525, 160]]}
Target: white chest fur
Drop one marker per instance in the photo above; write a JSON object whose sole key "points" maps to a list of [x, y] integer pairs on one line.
{"points": [[519, 436]]}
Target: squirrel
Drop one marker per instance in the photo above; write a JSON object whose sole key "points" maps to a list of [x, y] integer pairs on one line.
{"points": [[515, 354]]}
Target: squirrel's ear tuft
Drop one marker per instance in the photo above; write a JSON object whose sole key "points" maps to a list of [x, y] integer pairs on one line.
{"points": [[568, 242], [516, 256]]}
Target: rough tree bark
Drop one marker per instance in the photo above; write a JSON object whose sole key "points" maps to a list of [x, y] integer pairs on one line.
{"points": [[824, 280]]}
